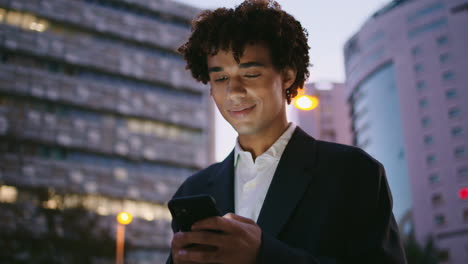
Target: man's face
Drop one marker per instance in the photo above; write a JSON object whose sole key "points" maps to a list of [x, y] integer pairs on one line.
{"points": [[251, 94]]}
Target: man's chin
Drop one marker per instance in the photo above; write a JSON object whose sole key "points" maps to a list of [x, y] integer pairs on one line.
{"points": [[245, 130]]}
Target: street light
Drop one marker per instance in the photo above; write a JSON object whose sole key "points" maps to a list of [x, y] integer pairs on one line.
{"points": [[306, 102], [123, 219]]}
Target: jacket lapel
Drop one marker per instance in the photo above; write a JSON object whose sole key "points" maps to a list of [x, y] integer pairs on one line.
{"points": [[221, 185], [292, 177]]}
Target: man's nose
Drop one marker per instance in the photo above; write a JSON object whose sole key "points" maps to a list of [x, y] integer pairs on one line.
{"points": [[236, 87]]}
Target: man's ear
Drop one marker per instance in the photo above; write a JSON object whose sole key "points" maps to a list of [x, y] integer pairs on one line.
{"points": [[289, 77]]}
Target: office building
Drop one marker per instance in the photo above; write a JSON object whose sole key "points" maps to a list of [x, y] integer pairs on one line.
{"points": [[407, 74], [96, 104]]}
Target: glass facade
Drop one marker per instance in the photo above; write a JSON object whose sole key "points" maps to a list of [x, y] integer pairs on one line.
{"points": [[385, 134], [96, 105], [434, 25]]}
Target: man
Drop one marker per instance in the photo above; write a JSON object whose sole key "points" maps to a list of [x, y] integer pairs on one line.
{"points": [[285, 197]]}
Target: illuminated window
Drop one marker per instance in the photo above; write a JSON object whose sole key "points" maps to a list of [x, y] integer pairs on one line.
{"points": [[24, 20], [2, 14], [451, 94], [434, 178], [8, 194], [439, 219]]}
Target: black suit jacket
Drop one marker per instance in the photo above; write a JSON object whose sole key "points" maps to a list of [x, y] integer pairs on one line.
{"points": [[327, 203]]}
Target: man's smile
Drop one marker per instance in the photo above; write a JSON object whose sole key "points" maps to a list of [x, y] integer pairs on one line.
{"points": [[239, 112]]}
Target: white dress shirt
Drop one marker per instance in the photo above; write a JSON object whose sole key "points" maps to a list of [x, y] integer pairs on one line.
{"points": [[253, 178]]}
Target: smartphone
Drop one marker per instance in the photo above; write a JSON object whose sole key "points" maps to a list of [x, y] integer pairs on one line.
{"points": [[187, 210]]}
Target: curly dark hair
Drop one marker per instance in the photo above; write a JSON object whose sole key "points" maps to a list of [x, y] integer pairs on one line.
{"points": [[253, 21]]}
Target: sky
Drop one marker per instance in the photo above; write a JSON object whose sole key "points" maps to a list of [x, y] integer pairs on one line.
{"points": [[330, 23]]}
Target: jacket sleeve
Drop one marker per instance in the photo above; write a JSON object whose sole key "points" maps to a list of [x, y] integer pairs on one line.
{"points": [[373, 234]]}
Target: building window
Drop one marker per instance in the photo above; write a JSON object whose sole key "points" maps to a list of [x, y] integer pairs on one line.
{"points": [[423, 103], [439, 220], [426, 121], [52, 153], [428, 140], [444, 58], [431, 26], [427, 10], [459, 152], [465, 216], [454, 112], [442, 41], [444, 256], [448, 76], [462, 173], [401, 154], [451, 94], [431, 159], [434, 178], [3, 57], [418, 68], [457, 131], [421, 85], [416, 51], [437, 199]]}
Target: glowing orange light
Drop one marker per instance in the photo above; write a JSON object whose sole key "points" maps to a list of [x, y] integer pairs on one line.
{"points": [[463, 193], [124, 218], [306, 102]]}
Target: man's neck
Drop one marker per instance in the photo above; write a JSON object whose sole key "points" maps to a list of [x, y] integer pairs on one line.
{"points": [[259, 143]]}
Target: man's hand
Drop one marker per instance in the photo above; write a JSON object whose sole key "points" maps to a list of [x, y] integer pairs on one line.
{"points": [[238, 241]]}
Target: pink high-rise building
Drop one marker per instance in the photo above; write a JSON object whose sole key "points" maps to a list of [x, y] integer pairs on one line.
{"points": [[407, 80]]}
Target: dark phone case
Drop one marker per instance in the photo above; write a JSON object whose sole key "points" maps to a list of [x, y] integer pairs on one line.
{"points": [[189, 209]]}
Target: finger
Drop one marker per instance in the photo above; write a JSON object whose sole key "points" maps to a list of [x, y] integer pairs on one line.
{"points": [[202, 238], [198, 255], [179, 241], [239, 218], [212, 223]]}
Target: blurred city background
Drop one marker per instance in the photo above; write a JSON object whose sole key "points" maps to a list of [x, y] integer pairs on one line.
{"points": [[98, 116]]}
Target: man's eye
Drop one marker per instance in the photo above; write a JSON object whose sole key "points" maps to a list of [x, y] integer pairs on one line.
{"points": [[221, 79], [252, 75]]}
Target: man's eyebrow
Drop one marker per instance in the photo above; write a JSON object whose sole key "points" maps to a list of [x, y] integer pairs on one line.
{"points": [[251, 64], [215, 69], [242, 66]]}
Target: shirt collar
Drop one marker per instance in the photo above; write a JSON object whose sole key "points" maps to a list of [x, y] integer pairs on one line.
{"points": [[274, 152]]}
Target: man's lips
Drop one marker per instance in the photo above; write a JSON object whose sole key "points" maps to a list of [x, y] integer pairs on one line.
{"points": [[241, 111]]}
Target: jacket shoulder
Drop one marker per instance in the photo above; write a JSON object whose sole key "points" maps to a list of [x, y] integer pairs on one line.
{"points": [[346, 153]]}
